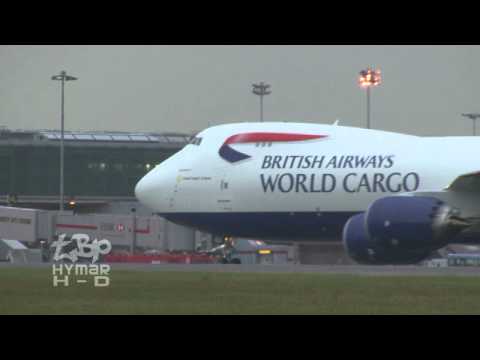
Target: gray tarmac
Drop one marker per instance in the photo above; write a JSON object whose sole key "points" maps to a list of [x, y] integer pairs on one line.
{"points": [[366, 270]]}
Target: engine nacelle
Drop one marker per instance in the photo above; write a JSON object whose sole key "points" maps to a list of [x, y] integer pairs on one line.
{"points": [[363, 250], [356, 242], [409, 222], [398, 230]]}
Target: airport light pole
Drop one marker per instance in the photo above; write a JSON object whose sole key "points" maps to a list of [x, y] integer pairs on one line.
{"points": [[62, 77], [474, 117], [261, 90], [368, 78]]}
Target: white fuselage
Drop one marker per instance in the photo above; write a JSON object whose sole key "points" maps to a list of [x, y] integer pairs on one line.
{"points": [[341, 172]]}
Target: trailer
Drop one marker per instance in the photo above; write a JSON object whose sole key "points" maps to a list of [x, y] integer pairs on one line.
{"points": [[133, 233], [29, 226]]}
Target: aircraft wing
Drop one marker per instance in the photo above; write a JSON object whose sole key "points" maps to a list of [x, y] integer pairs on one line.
{"points": [[466, 183], [463, 193]]}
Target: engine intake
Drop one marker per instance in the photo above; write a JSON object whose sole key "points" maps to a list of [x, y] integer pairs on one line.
{"points": [[408, 221], [400, 230]]}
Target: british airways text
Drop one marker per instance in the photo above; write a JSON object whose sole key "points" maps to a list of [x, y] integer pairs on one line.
{"points": [[324, 181]]}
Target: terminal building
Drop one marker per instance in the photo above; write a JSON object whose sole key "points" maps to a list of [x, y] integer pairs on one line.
{"points": [[100, 168]]}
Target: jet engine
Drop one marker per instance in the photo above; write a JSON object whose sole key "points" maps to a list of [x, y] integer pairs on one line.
{"points": [[400, 230]]}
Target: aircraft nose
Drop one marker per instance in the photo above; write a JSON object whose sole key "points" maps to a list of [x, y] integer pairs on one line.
{"points": [[156, 189], [146, 190]]}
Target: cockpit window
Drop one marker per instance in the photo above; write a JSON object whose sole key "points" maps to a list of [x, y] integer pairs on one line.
{"points": [[195, 140]]}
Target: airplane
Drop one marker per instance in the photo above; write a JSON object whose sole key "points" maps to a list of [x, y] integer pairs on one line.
{"points": [[391, 198]]}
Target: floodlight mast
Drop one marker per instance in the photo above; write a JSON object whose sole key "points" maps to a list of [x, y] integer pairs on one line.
{"points": [[368, 78], [473, 117], [261, 90], [62, 77]]}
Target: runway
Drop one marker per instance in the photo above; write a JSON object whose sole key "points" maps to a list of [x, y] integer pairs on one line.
{"points": [[317, 269], [363, 270]]}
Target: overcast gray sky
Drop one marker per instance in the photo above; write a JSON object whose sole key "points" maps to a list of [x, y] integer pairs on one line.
{"points": [[186, 88]]}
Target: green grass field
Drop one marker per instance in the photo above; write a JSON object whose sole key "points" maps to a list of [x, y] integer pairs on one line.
{"points": [[30, 291]]}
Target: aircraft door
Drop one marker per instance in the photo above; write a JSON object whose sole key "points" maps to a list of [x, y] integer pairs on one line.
{"points": [[224, 193], [173, 194]]}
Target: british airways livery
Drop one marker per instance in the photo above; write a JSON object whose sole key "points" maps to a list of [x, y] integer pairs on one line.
{"points": [[393, 198]]}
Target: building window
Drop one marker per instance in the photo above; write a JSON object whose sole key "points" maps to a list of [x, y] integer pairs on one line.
{"points": [[118, 166]]}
